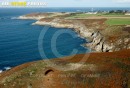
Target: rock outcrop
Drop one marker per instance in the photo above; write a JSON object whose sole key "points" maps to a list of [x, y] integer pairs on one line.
{"points": [[31, 18]]}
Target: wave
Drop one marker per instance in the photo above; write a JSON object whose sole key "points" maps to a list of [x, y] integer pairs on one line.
{"points": [[78, 10], [7, 68], [14, 18], [3, 18], [1, 71], [8, 18]]}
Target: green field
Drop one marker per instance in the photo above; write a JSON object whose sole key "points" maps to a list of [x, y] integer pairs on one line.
{"points": [[118, 22], [84, 15], [112, 19], [81, 15]]}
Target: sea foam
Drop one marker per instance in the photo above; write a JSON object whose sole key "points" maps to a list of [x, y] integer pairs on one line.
{"points": [[7, 68], [1, 71], [14, 18]]}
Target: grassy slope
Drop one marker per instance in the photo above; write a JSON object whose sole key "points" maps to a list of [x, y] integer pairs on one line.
{"points": [[118, 22], [83, 15], [110, 21], [100, 70]]}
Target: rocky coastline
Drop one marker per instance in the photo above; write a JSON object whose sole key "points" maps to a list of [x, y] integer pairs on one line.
{"points": [[97, 41], [91, 70]]}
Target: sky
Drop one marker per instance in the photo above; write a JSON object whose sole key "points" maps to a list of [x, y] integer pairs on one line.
{"points": [[88, 3], [82, 3]]}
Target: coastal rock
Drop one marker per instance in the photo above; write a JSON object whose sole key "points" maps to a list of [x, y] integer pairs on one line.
{"points": [[32, 18], [99, 47], [53, 24], [108, 47], [119, 42], [85, 33]]}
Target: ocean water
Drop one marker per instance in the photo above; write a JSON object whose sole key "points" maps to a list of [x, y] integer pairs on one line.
{"points": [[19, 39]]}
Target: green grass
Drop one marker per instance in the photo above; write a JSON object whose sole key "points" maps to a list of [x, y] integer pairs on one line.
{"points": [[83, 15], [28, 72], [118, 22], [112, 15]]}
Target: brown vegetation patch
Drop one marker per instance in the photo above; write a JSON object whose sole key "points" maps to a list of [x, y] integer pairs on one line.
{"points": [[127, 29], [94, 23], [112, 71], [47, 19]]}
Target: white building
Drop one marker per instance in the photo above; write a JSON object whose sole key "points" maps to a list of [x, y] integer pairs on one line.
{"points": [[127, 14], [91, 13]]}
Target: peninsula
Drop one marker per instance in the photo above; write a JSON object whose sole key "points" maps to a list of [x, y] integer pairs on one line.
{"points": [[106, 32]]}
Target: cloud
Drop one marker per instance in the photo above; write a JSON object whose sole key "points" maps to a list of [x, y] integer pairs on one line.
{"points": [[122, 1]]}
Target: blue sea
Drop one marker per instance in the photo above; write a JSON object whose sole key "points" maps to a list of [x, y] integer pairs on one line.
{"points": [[19, 40]]}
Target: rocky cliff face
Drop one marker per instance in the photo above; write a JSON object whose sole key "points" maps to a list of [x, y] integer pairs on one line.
{"points": [[97, 41], [100, 44]]}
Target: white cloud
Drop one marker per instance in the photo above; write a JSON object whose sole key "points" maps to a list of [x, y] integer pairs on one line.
{"points": [[122, 1]]}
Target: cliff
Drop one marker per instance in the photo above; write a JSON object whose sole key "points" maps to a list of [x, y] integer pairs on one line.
{"points": [[98, 40], [101, 37]]}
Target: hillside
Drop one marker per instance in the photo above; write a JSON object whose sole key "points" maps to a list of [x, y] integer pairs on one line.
{"points": [[94, 70]]}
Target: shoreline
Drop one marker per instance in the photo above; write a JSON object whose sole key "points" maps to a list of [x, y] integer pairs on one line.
{"points": [[87, 35], [97, 41]]}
